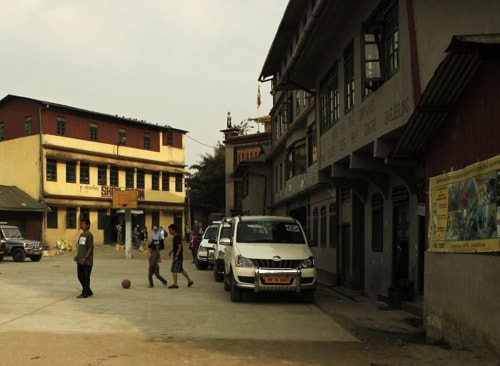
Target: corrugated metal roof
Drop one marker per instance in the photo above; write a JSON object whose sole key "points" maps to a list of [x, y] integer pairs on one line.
{"points": [[14, 199], [465, 55]]}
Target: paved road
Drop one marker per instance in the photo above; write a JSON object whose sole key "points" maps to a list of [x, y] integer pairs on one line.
{"points": [[42, 323], [40, 298]]}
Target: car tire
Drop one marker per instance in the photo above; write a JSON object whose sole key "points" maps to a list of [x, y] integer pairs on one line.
{"points": [[1, 257], [36, 258], [200, 265], [234, 289], [217, 275], [18, 255]]}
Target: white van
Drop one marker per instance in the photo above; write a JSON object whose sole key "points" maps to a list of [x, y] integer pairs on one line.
{"points": [[268, 253]]}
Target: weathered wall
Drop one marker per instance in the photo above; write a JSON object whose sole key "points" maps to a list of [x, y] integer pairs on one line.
{"points": [[462, 293]]}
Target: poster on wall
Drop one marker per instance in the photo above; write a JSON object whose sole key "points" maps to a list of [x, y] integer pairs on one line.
{"points": [[465, 209]]}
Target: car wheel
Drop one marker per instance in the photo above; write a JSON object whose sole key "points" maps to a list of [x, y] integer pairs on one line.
{"points": [[200, 265], [217, 276], [36, 258], [18, 255], [235, 291]]}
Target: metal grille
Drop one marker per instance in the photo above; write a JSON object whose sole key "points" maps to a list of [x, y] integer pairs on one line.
{"points": [[269, 263]]}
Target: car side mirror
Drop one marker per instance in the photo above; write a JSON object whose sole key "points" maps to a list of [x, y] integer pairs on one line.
{"points": [[225, 241]]}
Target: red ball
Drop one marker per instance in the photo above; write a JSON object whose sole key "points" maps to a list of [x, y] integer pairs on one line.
{"points": [[126, 283]]}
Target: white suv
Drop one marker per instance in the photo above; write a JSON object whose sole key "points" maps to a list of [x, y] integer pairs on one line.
{"points": [[224, 232], [205, 254], [268, 253]]}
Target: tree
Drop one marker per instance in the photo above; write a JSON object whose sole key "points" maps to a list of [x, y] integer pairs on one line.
{"points": [[206, 186]]}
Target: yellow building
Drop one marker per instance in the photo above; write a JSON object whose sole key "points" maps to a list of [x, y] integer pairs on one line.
{"points": [[73, 159]]}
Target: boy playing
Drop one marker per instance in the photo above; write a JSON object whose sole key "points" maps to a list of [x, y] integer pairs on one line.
{"points": [[154, 267]]}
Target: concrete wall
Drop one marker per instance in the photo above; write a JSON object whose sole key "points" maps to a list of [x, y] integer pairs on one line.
{"points": [[462, 293]]}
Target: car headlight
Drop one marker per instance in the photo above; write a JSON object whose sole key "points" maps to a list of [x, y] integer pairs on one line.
{"points": [[243, 262], [307, 263]]}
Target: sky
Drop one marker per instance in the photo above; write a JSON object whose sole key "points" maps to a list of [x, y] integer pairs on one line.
{"points": [[183, 63]]}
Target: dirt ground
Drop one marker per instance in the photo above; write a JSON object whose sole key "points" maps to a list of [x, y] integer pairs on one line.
{"points": [[387, 337], [379, 346], [102, 349]]}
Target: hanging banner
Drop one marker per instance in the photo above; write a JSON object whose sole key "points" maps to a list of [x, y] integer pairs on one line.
{"points": [[465, 209]]}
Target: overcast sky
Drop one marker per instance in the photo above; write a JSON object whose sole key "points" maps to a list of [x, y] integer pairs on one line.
{"points": [[184, 63]]}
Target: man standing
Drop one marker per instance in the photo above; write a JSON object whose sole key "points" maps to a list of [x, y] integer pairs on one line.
{"points": [[163, 236], [84, 258], [178, 258], [156, 237]]}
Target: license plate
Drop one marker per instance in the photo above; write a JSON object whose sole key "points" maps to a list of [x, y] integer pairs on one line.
{"points": [[283, 280]]}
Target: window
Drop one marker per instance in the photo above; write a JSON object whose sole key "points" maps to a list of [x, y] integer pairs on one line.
{"points": [[165, 181], [322, 227], [70, 218], [178, 182], [312, 145], [129, 178], [61, 126], [102, 177], [52, 218], [315, 225], [349, 77], [28, 126], [51, 170], [170, 138], [84, 173], [329, 98], [70, 172], [377, 223], [297, 160], [147, 141], [333, 225], [1, 131], [84, 214], [122, 137], [238, 196], [113, 176], [281, 175], [155, 181], [276, 180], [140, 179], [380, 46], [246, 185], [93, 132]]}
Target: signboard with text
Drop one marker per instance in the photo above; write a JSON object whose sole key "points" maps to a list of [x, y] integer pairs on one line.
{"points": [[465, 209]]}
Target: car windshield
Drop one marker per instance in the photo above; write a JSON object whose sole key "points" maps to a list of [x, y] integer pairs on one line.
{"points": [[269, 232], [211, 232], [12, 233]]}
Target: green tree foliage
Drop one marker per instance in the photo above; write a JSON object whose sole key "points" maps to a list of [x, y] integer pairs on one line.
{"points": [[207, 183]]}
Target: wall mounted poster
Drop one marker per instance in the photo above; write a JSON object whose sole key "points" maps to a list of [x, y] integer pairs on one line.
{"points": [[465, 209]]}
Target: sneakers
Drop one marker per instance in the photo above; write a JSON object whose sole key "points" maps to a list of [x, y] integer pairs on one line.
{"points": [[190, 283], [173, 286]]}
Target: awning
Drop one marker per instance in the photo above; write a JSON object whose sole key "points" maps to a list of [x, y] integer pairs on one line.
{"points": [[15, 199]]}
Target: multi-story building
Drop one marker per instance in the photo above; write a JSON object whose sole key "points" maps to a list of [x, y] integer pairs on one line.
{"points": [[346, 80], [245, 156], [72, 160]]}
